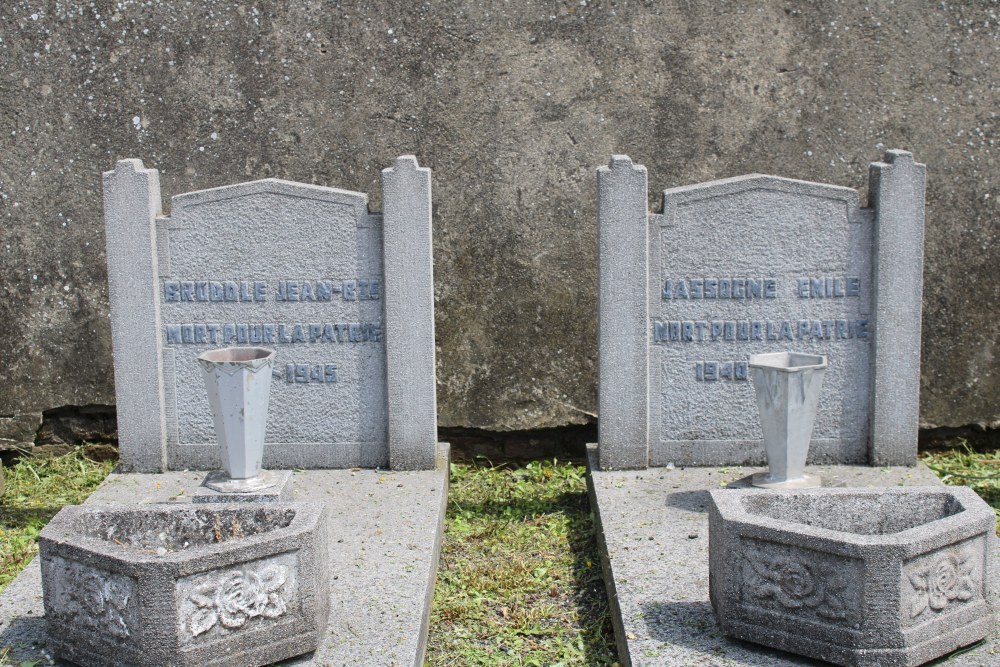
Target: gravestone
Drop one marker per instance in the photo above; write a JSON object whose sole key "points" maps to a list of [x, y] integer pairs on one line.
{"points": [[750, 265], [345, 298], [741, 266], [343, 294]]}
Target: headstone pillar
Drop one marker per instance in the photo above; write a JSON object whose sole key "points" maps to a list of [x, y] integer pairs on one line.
{"points": [[623, 315], [131, 204], [896, 193], [409, 315]]}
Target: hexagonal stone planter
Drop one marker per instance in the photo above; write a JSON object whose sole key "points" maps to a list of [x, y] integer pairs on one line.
{"points": [[888, 577], [232, 585]]}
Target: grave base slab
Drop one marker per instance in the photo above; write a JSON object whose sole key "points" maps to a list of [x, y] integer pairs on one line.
{"points": [[280, 490], [653, 537], [385, 539]]}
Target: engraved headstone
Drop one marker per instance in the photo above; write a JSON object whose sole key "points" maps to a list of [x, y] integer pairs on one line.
{"points": [[751, 265], [343, 294]]}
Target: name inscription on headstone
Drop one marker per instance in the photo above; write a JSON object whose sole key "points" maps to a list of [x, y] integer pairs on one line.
{"points": [[271, 334], [747, 330]]}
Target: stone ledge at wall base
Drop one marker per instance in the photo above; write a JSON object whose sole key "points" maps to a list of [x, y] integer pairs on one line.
{"points": [[385, 537], [817, 572], [652, 528], [18, 432], [185, 585]]}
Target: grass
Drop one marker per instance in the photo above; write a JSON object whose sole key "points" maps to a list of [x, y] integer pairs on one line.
{"points": [[519, 581], [37, 488], [964, 466]]}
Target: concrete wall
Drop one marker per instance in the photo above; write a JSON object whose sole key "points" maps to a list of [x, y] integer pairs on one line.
{"points": [[513, 105]]}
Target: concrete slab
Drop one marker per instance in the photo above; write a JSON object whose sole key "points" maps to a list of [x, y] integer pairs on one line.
{"points": [[653, 535], [385, 541]]}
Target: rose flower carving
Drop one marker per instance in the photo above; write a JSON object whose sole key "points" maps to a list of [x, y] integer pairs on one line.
{"points": [[948, 578], [237, 597], [796, 584]]}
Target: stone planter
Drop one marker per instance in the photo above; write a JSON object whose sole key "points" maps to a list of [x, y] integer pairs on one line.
{"points": [[787, 386], [888, 577], [185, 585]]}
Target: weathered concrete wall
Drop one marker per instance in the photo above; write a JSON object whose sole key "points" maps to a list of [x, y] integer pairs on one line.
{"points": [[513, 105]]}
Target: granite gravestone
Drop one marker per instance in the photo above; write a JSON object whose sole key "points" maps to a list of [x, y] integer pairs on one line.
{"points": [[344, 295], [750, 265]]}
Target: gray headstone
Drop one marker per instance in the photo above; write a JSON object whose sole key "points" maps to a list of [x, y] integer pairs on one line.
{"points": [[750, 265], [299, 268]]}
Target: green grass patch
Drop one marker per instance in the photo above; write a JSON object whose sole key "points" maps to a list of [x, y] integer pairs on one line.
{"points": [[519, 581], [36, 488], [964, 466]]}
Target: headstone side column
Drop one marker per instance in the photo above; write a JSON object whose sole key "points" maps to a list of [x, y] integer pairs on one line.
{"points": [[623, 315], [409, 315], [131, 204], [896, 193]]}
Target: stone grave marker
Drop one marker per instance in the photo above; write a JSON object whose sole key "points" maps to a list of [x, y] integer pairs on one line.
{"points": [[749, 265], [343, 294]]}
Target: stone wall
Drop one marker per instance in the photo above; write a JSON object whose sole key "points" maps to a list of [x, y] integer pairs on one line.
{"points": [[513, 105]]}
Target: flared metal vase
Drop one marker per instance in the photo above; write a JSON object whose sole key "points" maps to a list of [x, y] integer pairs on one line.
{"points": [[238, 380], [787, 385]]}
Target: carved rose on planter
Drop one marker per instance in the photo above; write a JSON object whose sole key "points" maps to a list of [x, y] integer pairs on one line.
{"points": [[105, 599], [947, 578], [236, 597], [796, 584]]}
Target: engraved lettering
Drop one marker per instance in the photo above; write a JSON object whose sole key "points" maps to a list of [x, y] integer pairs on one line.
{"points": [[701, 326], [853, 287], [324, 290]]}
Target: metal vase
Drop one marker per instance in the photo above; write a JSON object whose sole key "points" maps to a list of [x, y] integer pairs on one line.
{"points": [[238, 380], [787, 385]]}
